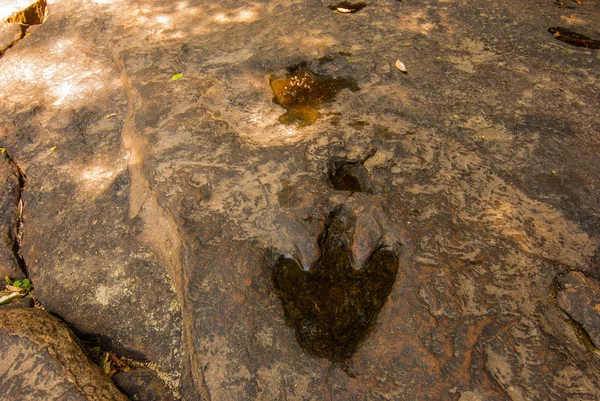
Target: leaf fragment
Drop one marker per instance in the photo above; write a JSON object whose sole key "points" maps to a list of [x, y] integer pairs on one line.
{"points": [[400, 66], [106, 365], [4, 299], [13, 288], [177, 76]]}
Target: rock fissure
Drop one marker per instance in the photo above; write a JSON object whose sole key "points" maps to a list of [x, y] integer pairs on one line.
{"points": [[18, 229]]}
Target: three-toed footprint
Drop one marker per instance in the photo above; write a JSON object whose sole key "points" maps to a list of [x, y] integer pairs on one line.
{"points": [[332, 305]]}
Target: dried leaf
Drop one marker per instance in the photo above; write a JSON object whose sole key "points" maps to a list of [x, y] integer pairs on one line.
{"points": [[111, 115], [400, 66], [177, 76], [4, 299], [119, 364], [53, 148], [13, 288]]}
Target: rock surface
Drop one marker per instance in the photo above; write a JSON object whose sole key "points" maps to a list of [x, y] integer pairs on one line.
{"points": [[41, 360], [9, 34], [10, 195], [143, 385], [157, 207], [579, 297]]}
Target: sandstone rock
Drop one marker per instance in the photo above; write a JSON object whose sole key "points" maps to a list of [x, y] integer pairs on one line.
{"points": [[143, 385], [579, 297], [42, 360], [9, 34], [27, 12], [10, 195], [82, 246], [147, 193]]}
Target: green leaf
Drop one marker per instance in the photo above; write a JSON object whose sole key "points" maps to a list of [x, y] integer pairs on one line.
{"points": [[26, 284], [8, 280], [17, 283], [177, 76]]}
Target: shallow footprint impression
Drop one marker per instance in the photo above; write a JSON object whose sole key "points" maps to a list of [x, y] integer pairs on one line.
{"points": [[333, 306], [303, 92]]}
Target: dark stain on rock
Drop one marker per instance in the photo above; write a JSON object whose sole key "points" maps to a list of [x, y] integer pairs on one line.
{"points": [[345, 7], [346, 175], [573, 38], [358, 124], [303, 92], [332, 306]]}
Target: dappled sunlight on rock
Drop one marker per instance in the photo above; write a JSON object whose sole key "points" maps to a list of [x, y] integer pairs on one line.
{"points": [[238, 16]]}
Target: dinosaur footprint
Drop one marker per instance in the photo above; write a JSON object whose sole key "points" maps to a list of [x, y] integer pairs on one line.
{"points": [[332, 306]]}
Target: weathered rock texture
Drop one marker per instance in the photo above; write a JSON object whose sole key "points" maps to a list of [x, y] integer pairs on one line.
{"points": [[579, 297], [143, 385], [10, 195], [156, 208], [41, 360]]}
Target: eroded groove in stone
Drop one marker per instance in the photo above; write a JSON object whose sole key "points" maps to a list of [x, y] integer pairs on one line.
{"points": [[573, 38], [333, 306], [11, 206]]}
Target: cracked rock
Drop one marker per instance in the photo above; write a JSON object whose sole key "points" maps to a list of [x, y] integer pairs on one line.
{"points": [[9, 220]]}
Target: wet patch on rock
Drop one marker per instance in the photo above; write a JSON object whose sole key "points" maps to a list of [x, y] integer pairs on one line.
{"points": [[573, 38], [346, 175], [303, 93], [333, 306], [579, 297], [345, 7]]}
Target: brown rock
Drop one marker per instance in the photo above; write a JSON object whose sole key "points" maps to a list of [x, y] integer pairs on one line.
{"points": [[148, 197], [10, 194], [9, 34], [41, 359], [579, 297], [143, 385]]}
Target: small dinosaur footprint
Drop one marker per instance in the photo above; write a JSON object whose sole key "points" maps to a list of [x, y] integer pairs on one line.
{"points": [[332, 306]]}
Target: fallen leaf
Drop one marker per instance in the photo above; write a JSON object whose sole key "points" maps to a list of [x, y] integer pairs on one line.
{"points": [[4, 299], [400, 65], [13, 288], [177, 76], [53, 148], [111, 115]]}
